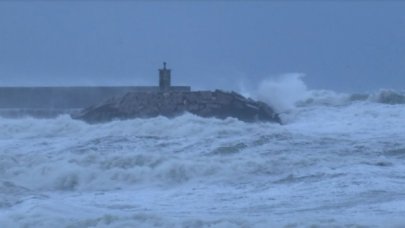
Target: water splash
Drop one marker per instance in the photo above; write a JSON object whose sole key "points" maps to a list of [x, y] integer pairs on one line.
{"points": [[283, 92]]}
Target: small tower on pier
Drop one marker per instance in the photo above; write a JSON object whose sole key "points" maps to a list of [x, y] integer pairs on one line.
{"points": [[164, 78]]}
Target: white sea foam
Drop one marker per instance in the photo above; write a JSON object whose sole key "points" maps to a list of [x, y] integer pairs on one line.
{"points": [[336, 161], [283, 92]]}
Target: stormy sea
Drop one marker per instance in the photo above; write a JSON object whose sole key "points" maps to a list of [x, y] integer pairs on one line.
{"points": [[336, 161]]}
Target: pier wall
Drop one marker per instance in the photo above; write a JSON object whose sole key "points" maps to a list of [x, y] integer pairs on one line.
{"points": [[66, 97]]}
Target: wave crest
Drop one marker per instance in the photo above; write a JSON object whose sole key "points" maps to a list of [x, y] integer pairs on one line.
{"points": [[389, 97], [289, 91], [282, 93]]}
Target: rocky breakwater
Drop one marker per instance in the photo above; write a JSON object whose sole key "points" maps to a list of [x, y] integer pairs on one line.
{"points": [[216, 103]]}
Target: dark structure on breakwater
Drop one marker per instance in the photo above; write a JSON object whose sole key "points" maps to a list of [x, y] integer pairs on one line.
{"points": [[165, 78], [62, 98]]}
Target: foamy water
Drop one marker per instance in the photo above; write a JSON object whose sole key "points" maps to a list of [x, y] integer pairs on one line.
{"points": [[334, 162]]}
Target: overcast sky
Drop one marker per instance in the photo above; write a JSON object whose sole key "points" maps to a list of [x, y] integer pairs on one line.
{"points": [[346, 46]]}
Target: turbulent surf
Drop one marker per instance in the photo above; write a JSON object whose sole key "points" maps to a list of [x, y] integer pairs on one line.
{"points": [[336, 161]]}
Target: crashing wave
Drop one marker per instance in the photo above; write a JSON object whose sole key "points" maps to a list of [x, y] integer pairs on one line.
{"points": [[324, 98], [359, 97], [389, 97], [289, 91]]}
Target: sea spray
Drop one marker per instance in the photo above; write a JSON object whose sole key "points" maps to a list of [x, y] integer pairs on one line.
{"points": [[289, 91], [283, 92]]}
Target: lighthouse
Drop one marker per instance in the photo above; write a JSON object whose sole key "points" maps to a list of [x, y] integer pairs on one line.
{"points": [[164, 78]]}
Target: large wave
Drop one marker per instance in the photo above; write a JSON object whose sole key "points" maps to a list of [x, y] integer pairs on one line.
{"points": [[289, 91], [203, 172], [120, 153]]}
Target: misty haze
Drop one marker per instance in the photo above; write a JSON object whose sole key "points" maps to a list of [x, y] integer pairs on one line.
{"points": [[202, 114]]}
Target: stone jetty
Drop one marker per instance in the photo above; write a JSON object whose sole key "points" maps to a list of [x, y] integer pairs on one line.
{"points": [[171, 103]]}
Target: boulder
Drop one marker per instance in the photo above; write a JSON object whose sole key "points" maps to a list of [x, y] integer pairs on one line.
{"points": [[216, 103]]}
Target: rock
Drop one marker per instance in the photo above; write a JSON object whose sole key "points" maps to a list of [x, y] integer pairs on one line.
{"points": [[216, 103]]}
